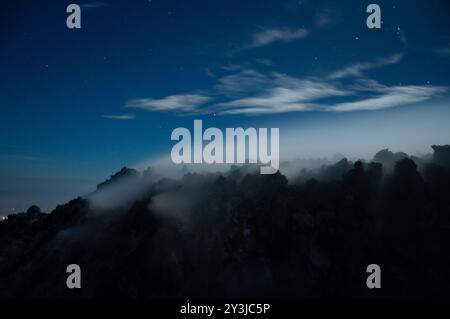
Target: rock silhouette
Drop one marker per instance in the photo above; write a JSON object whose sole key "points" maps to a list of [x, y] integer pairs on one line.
{"points": [[242, 234]]}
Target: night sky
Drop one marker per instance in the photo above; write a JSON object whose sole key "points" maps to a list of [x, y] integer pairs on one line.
{"points": [[77, 105]]}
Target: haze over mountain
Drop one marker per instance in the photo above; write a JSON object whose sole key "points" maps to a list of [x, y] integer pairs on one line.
{"points": [[242, 234]]}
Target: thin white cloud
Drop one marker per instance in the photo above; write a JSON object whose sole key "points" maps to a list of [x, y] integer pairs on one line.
{"points": [[270, 35], [357, 69], [232, 67], [246, 81], [93, 5], [392, 97], [299, 95], [122, 117], [445, 52], [250, 92], [180, 102], [288, 94]]}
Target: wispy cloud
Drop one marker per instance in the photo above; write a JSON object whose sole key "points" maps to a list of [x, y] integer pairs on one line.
{"points": [[445, 52], [357, 69], [245, 81], [282, 100], [251, 92], [232, 67], [122, 117], [392, 97], [287, 94], [270, 35], [180, 102], [93, 5]]}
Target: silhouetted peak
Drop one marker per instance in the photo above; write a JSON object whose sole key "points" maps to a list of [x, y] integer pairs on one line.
{"points": [[383, 155], [124, 173], [405, 166], [336, 171], [342, 163], [33, 210], [441, 155], [388, 158]]}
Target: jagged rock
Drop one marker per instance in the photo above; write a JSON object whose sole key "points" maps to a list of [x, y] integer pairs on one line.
{"points": [[124, 174], [441, 155], [33, 210], [388, 158], [240, 234]]}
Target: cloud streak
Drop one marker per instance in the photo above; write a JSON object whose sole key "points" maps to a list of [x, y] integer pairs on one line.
{"points": [[391, 97], [122, 117], [180, 102], [445, 52], [299, 95], [357, 69], [271, 35], [287, 94], [93, 5], [251, 92]]}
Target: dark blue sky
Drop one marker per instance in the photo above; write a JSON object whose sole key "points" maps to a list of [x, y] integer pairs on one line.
{"points": [[76, 105]]}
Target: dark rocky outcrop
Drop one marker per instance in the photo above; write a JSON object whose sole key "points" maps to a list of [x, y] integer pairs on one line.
{"points": [[242, 234]]}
